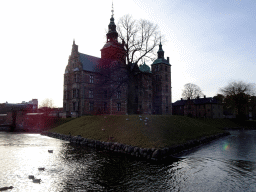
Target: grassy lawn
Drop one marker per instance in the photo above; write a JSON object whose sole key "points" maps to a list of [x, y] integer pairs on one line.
{"points": [[159, 132]]}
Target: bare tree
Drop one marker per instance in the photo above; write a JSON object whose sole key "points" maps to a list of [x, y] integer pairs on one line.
{"points": [[238, 87], [47, 103], [191, 91], [237, 95], [140, 37]]}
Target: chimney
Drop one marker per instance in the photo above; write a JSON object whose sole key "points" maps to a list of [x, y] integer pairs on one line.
{"points": [[181, 99], [168, 59], [204, 96]]}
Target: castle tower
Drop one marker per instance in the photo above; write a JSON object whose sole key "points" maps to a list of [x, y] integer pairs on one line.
{"points": [[113, 49], [161, 71]]}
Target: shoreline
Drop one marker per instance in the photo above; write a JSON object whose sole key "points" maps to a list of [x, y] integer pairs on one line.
{"points": [[149, 154]]}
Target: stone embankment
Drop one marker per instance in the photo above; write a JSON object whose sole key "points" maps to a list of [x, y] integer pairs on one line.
{"points": [[142, 153]]}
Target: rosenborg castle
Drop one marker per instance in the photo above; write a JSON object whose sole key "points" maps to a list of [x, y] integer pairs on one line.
{"points": [[109, 85]]}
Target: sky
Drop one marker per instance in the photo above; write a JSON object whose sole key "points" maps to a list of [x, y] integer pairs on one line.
{"points": [[209, 42]]}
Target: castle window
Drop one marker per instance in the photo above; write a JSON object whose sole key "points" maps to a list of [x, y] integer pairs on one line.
{"points": [[118, 94], [160, 68], [166, 110], [166, 88], [166, 100], [74, 93], [157, 77], [91, 106], [156, 68], [65, 94], [105, 106], [157, 88], [105, 94], [77, 93], [118, 106], [165, 68], [91, 78], [149, 107], [64, 107], [149, 96], [74, 106], [166, 77], [91, 93], [84, 92]]}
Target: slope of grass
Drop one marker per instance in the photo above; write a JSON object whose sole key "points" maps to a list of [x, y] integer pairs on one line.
{"points": [[159, 132]]}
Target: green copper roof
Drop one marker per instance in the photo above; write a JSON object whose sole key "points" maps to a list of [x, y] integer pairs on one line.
{"points": [[145, 68], [161, 60]]}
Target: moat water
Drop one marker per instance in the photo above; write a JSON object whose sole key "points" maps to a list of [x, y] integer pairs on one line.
{"points": [[227, 164]]}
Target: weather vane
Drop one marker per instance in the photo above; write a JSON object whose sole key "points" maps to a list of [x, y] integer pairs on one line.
{"points": [[112, 10]]}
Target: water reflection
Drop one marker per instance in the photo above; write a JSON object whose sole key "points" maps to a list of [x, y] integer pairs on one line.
{"points": [[224, 165]]}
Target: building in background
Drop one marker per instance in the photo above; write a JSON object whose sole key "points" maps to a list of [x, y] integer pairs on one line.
{"points": [[206, 107]]}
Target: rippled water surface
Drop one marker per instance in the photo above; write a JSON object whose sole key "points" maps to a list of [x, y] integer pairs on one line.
{"points": [[227, 164]]}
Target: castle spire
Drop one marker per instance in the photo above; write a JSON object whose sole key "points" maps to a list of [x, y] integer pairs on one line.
{"points": [[112, 34], [160, 52]]}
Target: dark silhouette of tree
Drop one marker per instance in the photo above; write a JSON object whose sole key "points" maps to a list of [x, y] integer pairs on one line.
{"points": [[141, 37], [112, 80], [191, 91], [237, 96]]}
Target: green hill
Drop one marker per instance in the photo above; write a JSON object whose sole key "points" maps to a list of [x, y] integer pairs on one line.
{"points": [[160, 130]]}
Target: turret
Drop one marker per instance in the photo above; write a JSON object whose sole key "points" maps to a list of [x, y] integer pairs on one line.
{"points": [[112, 34]]}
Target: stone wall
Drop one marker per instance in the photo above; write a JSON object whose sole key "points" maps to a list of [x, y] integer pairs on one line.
{"points": [[140, 153]]}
